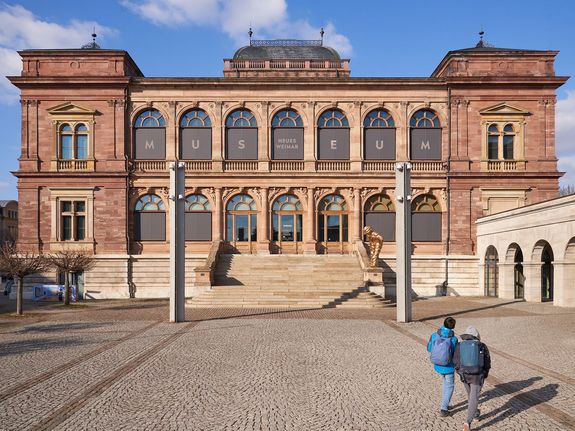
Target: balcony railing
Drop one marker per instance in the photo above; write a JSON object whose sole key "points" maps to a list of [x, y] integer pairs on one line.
{"points": [[198, 165], [240, 165], [286, 165], [502, 165], [75, 165], [332, 166], [150, 165], [427, 166], [378, 166]]}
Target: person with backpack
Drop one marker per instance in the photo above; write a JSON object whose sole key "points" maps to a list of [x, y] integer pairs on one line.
{"points": [[472, 363], [441, 347]]}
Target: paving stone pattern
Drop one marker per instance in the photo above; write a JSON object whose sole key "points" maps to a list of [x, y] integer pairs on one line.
{"points": [[269, 370]]}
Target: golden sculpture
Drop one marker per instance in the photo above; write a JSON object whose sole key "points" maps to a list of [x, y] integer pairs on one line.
{"points": [[375, 242]]}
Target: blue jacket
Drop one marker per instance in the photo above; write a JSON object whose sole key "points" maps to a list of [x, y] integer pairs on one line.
{"points": [[449, 368]]}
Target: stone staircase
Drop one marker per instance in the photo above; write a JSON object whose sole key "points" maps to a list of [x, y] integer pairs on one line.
{"points": [[288, 281]]}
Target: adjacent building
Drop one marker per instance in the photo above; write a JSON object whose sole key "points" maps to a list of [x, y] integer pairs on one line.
{"points": [[8, 221], [286, 153]]}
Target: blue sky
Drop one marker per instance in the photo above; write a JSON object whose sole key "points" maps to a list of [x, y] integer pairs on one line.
{"points": [[191, 37]]}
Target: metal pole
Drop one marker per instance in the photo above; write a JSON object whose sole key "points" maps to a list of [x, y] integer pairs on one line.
{"points": [[403, 240], [177, 242]]}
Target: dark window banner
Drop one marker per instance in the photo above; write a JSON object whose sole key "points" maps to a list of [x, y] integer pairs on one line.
{"points": [[383, 223], [333, 144], [379, 144], [198, 226], [242, 144], [426, 144], [150, 226], [196, 144], [425, 226], [150, 144], [287, 144]]}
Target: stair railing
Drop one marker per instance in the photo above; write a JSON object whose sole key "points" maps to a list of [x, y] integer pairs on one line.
{"points": [[205, 273]]}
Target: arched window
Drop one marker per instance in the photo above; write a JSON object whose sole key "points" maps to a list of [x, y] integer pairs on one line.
{"points": [[379, 213], [241, 219], [508, 142], [195, 136], [493, 142], [332, 221], [73, 142], [287, 135], [198, 218], [518, 277], [378, 136], [547, 273], [150, 219], [425, 219], [287, 214], [491, 278], [333, 136], [425, 135], [150, 136], [241, 135]]}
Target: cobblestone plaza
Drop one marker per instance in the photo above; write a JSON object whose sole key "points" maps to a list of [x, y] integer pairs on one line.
{"points": [[115, 365]]}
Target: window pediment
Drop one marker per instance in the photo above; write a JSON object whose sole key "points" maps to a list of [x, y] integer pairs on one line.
{"points": [[504, 109], [70, 109]]}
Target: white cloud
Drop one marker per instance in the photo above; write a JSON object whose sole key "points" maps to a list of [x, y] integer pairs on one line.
{"points": [[565, 135], [268, 18], [21, 29]]}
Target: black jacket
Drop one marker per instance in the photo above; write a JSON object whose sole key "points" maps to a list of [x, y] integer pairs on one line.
{"points": [[483, 352]]}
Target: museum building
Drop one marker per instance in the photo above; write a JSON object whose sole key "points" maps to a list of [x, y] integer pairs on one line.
{"points": [[287, 154]]}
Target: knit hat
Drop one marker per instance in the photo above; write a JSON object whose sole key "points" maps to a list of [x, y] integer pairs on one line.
{"points": [[472, 331]]}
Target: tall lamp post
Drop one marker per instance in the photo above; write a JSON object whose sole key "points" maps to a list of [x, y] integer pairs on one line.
{"points": [[177, 242], [403, 240]]}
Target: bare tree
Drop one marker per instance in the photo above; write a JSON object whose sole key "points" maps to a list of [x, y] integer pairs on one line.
{"points": [[69, 262], [567, 190], [20, 264]]}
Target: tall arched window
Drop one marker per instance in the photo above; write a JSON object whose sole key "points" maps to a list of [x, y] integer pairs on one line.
{"points": [[241, 219], [378, 136], [287, 214], [198, 218], [518, 277], [150, 136], [332, 219], [491, 272], [425, 135], [508, 142], [150, 219], [333, 136], [425, 219], [493, 142], [73, 142], [379, 213], [241, 135], [287, 135], [195, 136]]}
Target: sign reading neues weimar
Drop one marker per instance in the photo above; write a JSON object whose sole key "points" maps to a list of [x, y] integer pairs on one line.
{"points": [[287, 144], [196, 144], [380, 144], [150, 144], [426, 144], [242, 144], [333, 144]]}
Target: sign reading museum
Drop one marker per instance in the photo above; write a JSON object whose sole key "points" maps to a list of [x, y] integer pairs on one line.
{"points": [[426, 144], [150, 144], [242, 144], [287, 144], [196, 144], [333, 144], [380, 144]]}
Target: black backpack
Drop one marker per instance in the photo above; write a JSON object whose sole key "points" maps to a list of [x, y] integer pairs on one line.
{"points": [[471, 357]]}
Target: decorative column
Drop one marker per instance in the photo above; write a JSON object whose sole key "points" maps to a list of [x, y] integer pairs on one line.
{"points": [[563, 283], [506, 280], [217, 229], [309, 246], [356, 233], [263, 223]]}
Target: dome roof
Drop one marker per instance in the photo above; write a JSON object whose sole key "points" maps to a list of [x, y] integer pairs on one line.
{"points": [[286, 50]]}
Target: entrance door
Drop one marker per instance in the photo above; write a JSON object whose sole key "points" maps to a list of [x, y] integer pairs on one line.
{"points": [[241, 224], [287, 214], [491, 272], [333, 232]]}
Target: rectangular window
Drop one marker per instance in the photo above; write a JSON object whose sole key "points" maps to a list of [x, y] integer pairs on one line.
{"points": [[508, 147], [426, 226], [198, 226], [73, 221], [150, 225], [81, 147], [67, 148], [425, 144], [333, 144], [492, 147]]}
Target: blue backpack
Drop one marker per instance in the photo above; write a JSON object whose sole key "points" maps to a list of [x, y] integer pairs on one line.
{"points": [[441, 350], [470, 357]]}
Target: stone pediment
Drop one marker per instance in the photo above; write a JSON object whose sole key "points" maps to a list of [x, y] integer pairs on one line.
{"points": [[503, 109], [69, 109]]}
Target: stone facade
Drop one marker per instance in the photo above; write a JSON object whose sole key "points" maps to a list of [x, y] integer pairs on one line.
{"points": [[105, 91], [8, 221], [530, 252]]}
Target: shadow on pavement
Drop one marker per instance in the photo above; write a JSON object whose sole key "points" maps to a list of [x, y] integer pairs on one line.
{"points": [[26, 346], [458, 313]]}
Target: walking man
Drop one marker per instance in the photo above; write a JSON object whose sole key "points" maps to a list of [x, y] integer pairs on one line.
{"points": [[441, 347], [472, 363]]}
